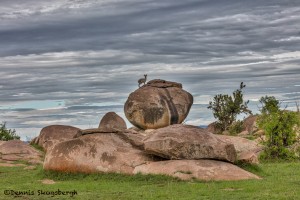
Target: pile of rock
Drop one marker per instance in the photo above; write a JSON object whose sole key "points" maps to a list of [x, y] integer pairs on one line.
{"points": [[171, 148], [177, 150]]}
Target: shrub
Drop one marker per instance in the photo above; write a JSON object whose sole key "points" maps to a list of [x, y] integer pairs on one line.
{"points": [[280, 129], [236, 127], [226, 108], [7, 134], [269, 104]]}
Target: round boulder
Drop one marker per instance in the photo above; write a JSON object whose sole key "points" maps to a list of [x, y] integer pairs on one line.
{"points": [[158, 104], [53, 134], [112, 121]]}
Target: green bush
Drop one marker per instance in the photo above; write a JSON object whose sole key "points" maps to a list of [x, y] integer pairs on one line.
{"points": [[269, 104], [236, 127], [226, 108], [280, 128], [7, 134]]}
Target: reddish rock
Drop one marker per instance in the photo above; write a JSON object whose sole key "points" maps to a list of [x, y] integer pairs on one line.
{"points": [[16, 150], [188, 142], [98, 152], [129, 135], [158, 104], [51, 135], [247, 150], [112, 121], [206, 170]]}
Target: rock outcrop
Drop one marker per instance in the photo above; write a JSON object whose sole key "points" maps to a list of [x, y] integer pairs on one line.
{"points": [[130, 152], [16, 150], [50, 135], [112, 121], [99, 152], [247, 150], [158, 144], [206, 170], [188, 142], [158, 104]]}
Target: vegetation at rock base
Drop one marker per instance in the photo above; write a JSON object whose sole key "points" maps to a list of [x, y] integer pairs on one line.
{"points": [[236, 127], [37, 147], [279, 181], [226, 108], [280, 129], [7, 134]]}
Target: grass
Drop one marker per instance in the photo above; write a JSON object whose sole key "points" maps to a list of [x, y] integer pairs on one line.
{"points": [[280, 181], [37, 147]]}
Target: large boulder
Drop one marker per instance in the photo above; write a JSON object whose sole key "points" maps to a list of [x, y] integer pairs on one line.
{"points": [[16, 150], [247, 150], [188, 142], [207, 170], [158, 104], [112, 121], [51, 135], [97, 152]]}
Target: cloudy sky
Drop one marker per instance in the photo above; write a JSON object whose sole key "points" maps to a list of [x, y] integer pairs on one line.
{"points": [[71, 61]]}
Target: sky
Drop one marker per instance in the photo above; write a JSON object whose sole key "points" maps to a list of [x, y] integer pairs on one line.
{"points": [[71, 61]]}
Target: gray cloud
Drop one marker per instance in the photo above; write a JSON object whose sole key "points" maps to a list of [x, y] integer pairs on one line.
{"points": [[69, 62]]}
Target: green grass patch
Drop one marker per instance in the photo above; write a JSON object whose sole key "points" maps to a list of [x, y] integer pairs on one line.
{"points": [[279, 181], [37, 147], [255, 169]]}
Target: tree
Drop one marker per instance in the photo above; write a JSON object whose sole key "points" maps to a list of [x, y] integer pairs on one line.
{"points": [[269, 104], [226, 108], [280, 128], [7, 134]]}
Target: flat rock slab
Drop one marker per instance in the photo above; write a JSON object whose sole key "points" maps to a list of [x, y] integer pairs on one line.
{"points": [[188, 142], [16, 150], [96, 152], [206, 170]]}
